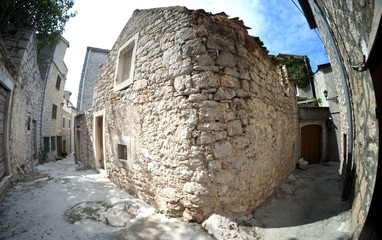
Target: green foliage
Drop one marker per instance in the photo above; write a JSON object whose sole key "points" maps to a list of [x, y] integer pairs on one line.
{"points": [[300, 99], [298, 67], [317, 102], [47, 17], [64, 154]]}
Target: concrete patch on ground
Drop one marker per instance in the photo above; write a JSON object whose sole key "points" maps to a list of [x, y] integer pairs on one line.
{"points": [[162, 228], [116, 215]]}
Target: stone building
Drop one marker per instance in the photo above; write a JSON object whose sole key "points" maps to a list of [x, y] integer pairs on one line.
{"points": [[69, 113], [351, 31], [326, 89], [21, 96], [94, 59], [191, 114], [53, 72]]}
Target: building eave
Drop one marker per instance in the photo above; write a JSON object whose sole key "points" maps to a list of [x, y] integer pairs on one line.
{"points": [[308, 13]]}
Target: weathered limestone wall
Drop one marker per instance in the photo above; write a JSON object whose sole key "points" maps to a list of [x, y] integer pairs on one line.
{"points": [[351, 24], [91, 70], [27, 101], [8, 76], [84, 140], [208, 124]]}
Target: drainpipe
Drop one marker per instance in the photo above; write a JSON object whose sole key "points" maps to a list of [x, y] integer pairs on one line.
{"points": [[83, 82], [343, 77]]}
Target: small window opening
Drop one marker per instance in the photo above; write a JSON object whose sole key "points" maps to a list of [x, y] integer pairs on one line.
{"points": [[122, 152]]}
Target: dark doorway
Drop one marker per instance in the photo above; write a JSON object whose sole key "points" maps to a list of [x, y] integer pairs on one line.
{"points": [[311, 143], [59, 145]]}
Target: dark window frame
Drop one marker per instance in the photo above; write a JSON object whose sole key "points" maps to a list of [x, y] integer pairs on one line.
{"points": [[54, 111], [58, 82]]}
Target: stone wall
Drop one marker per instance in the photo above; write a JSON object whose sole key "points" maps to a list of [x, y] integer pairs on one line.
{"points": [[347, 42], [84, 140], [209, 123], [52, 127], [26, 101], [91, 70]]}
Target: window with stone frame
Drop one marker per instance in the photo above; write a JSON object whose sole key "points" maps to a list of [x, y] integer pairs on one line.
{"points": [[124, 72], [54, 111], [58, 82], [63, 122]]}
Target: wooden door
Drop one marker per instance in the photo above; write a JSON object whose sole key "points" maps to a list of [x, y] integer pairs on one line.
{"points": [[311, 143], [59, 145], [3, 101]]}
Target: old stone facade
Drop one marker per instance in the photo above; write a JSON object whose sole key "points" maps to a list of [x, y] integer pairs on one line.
{"points": [[21, 101], [191, 114], [324, 81], [69, 113], [349, 31], [94, 59], [54, 73]]}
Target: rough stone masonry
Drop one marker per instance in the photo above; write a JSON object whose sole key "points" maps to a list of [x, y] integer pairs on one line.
{"points": [[208, 124]]}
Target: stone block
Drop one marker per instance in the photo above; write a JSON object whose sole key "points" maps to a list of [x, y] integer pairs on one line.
{"points": [[234, 128], [212, 126], [302, 164], [139, 85], [214, 165], [192, 48], [224, 94], [204, 60], [183, 34], [226, 59], [222, 149], [205, 138], [230, 82], [195, 188], [224, 177], [182, 83]]}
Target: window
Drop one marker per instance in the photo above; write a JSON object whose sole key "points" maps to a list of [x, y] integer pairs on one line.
{"points": [[58, 82], [54, 111], [69, 122], [122, 151], [125, 65], [29, 123], [52, 143], [63, 122], [46, 144]]}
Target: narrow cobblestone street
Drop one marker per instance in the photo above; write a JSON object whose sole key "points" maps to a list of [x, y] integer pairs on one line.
{"points": [[59, 202]]}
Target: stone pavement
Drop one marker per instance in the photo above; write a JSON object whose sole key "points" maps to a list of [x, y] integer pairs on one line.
{"points": [[60, 202]]}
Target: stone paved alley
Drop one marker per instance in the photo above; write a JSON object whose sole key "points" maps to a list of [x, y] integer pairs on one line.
{"points": [[60, 202]]}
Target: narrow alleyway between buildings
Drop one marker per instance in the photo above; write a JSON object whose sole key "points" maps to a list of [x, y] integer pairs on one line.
{"points": [[59, 201]]}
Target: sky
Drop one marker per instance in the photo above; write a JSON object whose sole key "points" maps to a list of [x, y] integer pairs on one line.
{"points": [[279, 24]]}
